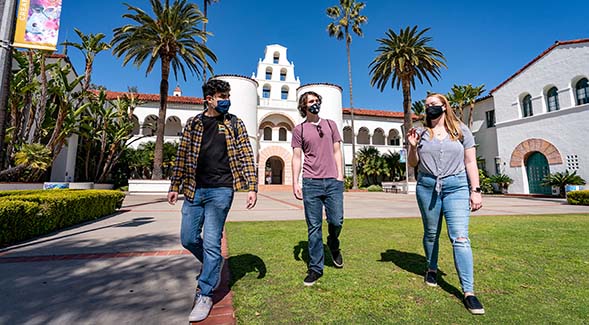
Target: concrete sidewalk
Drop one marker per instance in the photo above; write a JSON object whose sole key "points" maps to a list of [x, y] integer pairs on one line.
{"points": [[131, 268]]}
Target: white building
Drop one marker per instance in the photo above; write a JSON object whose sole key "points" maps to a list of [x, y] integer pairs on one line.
{"points": [[267, 103], [535, 122]]}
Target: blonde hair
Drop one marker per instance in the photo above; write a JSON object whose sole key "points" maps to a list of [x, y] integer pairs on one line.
{"points": [[451, 121]]}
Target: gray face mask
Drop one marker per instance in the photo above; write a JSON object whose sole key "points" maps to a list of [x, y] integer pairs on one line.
{"points": [[314, 109]]}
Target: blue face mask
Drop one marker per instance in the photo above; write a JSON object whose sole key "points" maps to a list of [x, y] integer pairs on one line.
{"points": [[223, 106], [314, 109]]}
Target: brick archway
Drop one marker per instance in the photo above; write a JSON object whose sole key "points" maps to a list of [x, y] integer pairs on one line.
{"points": [[275, 151], [523, 150]]}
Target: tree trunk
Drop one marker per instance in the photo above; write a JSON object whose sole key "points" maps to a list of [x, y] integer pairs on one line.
{"points": [[10, 173], [470, 115], [407, 122], [40, 114], [161, 122], [354, 163]]}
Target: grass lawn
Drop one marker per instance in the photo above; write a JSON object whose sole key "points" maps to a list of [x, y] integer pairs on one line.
{"points": [[528, 269]]}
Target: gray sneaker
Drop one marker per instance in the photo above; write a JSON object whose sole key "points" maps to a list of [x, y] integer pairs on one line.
{"points": [[201, 309]]}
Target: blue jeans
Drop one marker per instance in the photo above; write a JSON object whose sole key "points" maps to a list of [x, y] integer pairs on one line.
{"points": [[453, 202], [319, 193], [206, 215]]}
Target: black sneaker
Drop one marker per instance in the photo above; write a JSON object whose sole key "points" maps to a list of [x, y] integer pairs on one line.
{"points": [[337, 259], [431, 278], [311, 278], [473, 305]]}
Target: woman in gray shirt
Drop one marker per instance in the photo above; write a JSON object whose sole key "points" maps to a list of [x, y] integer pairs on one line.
{"points": [[448, 185]]}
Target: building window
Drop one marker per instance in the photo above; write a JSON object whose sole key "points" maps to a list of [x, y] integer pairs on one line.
{"points": [[527, 106], [284, 92], [348, 135], [348, 171], [378, 137], [282, 134], [394, 138], [490, 116], [268, 133], [363, 136], [276, 57], [572, 162], [283, 75], [268, 73], [582, 90], [482, 164], [552, 99], [266, 91]]}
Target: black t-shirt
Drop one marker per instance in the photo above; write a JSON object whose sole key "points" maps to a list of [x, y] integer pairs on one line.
{"points": [[213, 161]]}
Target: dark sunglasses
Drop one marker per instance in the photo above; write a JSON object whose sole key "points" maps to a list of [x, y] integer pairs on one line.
{"points": [[320, 131]]}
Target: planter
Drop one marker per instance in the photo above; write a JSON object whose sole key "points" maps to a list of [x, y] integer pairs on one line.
{"points": [[55, 185], [20, 186], [103, 186], [148, 186], [81, 185]]}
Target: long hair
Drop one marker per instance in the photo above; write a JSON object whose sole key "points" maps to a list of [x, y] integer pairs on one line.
{"points": [[451, 121], [303, 102]]}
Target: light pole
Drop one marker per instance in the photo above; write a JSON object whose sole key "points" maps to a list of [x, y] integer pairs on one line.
{"points": [[8, 12]]}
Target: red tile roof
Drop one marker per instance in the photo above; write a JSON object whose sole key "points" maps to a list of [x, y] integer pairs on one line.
{"points": [[156, 98], [375, 113], [556, 44]]}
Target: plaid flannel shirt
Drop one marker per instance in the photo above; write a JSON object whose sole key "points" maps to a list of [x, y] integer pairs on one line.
{"points": [[241, 157]]}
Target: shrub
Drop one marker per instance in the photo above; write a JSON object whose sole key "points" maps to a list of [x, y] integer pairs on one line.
{"points": [[562, 179], [374, 188], [502, 180], [578, 197], [56, 209]]}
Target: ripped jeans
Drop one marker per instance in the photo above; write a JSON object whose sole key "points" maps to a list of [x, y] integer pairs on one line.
{"points": [[453, 202]]}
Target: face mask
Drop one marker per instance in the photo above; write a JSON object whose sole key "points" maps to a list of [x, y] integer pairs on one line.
{"points": [[223, 106], [433, 112], [314, 109]]}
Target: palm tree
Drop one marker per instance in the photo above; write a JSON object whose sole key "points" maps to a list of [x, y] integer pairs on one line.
{"points": [[347, 15], [206, 4], [402, 58], [561, 179], [457, 99], [173, 38], [418, 108], [90, 46], [472, 93]]}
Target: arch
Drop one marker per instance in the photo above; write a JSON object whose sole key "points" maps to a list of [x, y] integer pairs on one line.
{"points": [[149, 125], [274, 170], [283, 74], [268, 73], [135, 121], [394, 137], [552, 100], [527, 147], [266, 91], [284, 92], [173, 127], [276, 57], [348, 135], [266, 124], [363, 136], [289, 120], [285, 125], [275, 151], [378, 137], [526, 105], [267, 133], [582, 91], [536, 169], [282, 134]]}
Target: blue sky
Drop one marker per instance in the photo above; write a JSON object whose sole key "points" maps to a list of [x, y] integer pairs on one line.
{"points": [[484, 42]]}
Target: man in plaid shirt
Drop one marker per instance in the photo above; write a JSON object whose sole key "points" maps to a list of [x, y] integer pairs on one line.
{"points": [[214, 160]]}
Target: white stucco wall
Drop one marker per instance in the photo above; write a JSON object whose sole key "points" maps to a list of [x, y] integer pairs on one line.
{"points": [[485, 137]]}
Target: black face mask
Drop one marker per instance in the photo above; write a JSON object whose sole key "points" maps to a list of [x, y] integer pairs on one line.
{"points": [[433, 112], [314, 109]]}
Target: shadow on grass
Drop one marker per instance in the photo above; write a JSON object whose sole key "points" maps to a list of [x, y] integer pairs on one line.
{"points": [[300, 252], [243, 264], [415, 263]]}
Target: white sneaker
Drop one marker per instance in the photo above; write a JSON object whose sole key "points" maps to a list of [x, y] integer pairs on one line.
{"points": [[201, 309]]}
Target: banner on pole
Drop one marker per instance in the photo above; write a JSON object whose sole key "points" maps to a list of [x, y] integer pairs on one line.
{"points": [[37, 24], [403, 156]]}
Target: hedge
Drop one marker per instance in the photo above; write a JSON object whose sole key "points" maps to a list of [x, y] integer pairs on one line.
{"points": [[27, 214], [578, 197]]}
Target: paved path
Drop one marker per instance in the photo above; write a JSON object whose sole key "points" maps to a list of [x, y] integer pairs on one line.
{"points": [[130, 267]]}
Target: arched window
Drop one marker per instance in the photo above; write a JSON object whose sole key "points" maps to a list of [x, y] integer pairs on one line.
{"points": [[266, 91], [363, 136], [268, 133], [582, 91], [135, 125], [282, 74], [268, 73], [552, 100], [527, 106], [394, 139], [150, 125], [276, 57], [173, 127], [378, 137], [282, 134], [348, 136], [284, 92]]}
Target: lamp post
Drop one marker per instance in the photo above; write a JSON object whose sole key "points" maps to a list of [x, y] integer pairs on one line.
{"points": [[8, 12]]}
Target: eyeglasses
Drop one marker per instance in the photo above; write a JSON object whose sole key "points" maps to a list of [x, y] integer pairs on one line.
{"points": [[320, 131]]}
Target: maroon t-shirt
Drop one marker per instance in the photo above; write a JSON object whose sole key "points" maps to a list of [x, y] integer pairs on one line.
{"points": [[319, 160]]}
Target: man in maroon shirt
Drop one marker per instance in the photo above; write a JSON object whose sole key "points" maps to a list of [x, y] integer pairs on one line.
{"points": [[323, 182]]}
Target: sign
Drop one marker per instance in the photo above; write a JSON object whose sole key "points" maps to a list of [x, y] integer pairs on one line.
{"points": [[37, 24], [403, 157]]}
